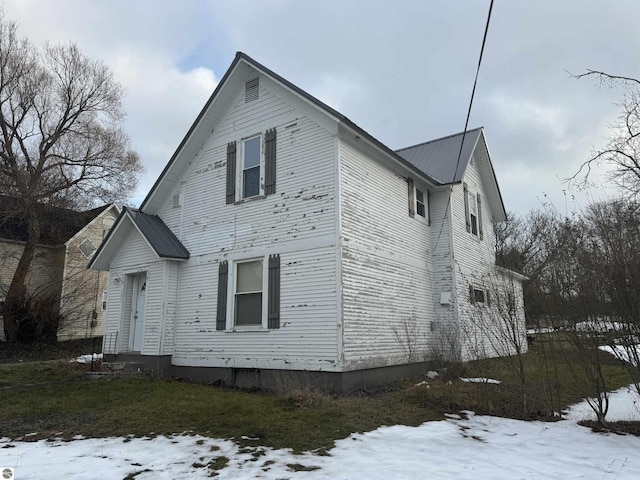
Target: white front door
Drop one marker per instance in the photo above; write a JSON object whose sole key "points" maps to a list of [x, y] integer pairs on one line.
{"points": [[138, 316]]}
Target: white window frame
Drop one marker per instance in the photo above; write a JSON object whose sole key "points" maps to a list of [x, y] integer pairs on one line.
{"points": [[231, 299], [472, 200], [240, 168], [424, 201], [477, 302]]}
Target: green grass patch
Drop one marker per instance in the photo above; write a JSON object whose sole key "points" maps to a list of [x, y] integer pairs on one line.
{"points": [[15, 352], [53, 399]]}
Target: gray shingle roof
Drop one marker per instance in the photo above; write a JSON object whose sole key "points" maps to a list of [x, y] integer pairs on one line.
{"points": [[159, 236], [438, 158]]}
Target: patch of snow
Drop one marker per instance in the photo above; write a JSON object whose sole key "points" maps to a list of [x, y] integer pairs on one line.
{"points": [[431, 375], [461, 446], [424, 383], [622, 353], [600, 325], [88, 358], [481, 380], [624, 405], [533, 331]]}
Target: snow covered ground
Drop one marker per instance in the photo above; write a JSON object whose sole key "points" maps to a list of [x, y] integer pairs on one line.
{"points": [[460, 447]]}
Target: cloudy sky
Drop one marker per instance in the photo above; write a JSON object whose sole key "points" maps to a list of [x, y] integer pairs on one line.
{"points": [[402, 70]]}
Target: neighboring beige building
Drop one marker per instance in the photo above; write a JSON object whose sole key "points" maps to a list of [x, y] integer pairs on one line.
{"points": [[59, 269]]}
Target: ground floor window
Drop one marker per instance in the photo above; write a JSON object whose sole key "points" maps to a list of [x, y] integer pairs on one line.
{"points": [[478, 296], [248, 293], [253, 287]]}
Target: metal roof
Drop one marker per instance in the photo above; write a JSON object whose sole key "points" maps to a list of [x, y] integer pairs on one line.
{"points": [[159, 236], [438, 158]]}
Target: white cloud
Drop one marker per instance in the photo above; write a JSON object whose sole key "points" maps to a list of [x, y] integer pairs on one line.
{"points": [[162, 103]]}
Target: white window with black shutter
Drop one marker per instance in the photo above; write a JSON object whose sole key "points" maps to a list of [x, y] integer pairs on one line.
{"points": [[251, 167], [473, 212], [249, 294], [418, 201]]}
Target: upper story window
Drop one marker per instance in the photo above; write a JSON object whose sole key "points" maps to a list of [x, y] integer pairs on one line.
{"points": [[418, 201], [473, 212], [420, 209], [252, 172], [251, 166]]}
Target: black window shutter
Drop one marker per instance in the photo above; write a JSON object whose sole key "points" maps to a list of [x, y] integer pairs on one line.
{"points": [[231, 172], [466, 206], [274, 291], [480, 217], [488, 298], [221, 315], [472, 297], [270, 162], [428, 208], [412, 199]]}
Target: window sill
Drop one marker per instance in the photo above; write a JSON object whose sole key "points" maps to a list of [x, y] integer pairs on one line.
{"points": [[249, 199], [248, 328]]}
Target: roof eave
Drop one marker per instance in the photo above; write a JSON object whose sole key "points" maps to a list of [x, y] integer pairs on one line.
{"points": [[386, 151]]}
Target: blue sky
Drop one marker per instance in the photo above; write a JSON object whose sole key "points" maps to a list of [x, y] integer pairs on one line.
{"points": [[402, 70]]}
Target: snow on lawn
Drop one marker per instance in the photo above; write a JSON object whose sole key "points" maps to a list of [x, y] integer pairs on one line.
{"points": [[88, 358], [460, 447], [480, 380], [621, 352]]}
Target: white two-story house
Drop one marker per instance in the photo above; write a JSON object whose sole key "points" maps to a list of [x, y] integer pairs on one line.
{"points": [[283, 241]]}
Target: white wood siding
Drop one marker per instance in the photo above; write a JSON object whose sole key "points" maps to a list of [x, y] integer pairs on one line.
{"points": [[474, 264], [136, 257], [386, 280], [297, 222], [445, 343]]}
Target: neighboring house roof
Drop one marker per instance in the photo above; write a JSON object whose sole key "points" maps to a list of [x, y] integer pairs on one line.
{"points": [[57, 224], [155, 232], [439, 158]]}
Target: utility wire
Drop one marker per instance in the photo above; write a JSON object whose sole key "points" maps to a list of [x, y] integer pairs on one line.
{"points": [[466, 123]]}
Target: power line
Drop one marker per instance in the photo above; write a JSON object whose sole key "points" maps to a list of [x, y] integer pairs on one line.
{"points": [[466, 123]]}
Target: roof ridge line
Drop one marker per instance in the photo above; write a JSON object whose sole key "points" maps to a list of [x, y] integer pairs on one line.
{"points": [[438, 139]]}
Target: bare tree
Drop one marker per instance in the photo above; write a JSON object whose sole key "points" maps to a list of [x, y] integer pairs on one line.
{"points": [[622, 152], [61, 139]]}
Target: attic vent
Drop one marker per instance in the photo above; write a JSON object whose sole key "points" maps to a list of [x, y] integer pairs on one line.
{"points": [[177, 200], [87, 248], [251, 90]]}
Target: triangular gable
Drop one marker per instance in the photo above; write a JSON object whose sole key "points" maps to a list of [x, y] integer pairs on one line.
{"points": [[443, 160], [153, 230], [101, 213], [217, 104]]}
